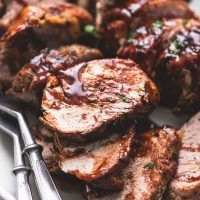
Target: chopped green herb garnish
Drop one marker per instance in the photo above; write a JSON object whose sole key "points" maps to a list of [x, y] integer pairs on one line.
{"points": [[185, 23], [150, 165], [124, 98], [169, 149], [142, 89], [177, 45], [90, 29], [157, 24], [130, 38]]}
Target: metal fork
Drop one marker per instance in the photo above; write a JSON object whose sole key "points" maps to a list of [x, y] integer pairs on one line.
{"points": [[45, 185], [20, 170]]}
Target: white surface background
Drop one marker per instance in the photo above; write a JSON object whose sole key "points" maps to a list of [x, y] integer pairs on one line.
{"points": [[68, 190]]}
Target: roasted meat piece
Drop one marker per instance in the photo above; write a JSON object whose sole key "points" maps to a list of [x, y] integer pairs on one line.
{"points": [[31, 79], [186, 184], [46, 25], [95, 160], [91, 162], [170, 52], [86, 99], [130, 14], [150, 169], [145, 44], [177, 70]]}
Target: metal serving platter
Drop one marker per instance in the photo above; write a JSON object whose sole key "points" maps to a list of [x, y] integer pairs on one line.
{"points": [[68, 187]]}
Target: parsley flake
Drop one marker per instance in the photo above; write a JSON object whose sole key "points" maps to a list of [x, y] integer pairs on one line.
{"points": [[90, 29], [150, 165], [130, 38], [177, 45], [157, 24], [124, 98], [185, 23], [169, 149], [142, 89]]}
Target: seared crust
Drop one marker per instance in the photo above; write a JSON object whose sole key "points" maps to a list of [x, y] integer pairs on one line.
{"points": [[30, 81], [89, 97], [131, 14], [170, 52], [150, 170], [186, 184], [177, 69]]}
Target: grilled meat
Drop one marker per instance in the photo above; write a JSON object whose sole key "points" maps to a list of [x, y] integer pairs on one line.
{"points": [[146, 43], [170, 52], [47, 25], [151, 168], [92, 162], [30, 81], [178, 70], [186, 184], [86, 99], [95, 160], [130, 14]]}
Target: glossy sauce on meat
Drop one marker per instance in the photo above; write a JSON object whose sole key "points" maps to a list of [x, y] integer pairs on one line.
{"points": [[107, 90], [75, 91]]}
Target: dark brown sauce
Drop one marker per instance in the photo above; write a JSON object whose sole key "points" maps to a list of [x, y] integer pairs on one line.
{"points": [[47, 64], [75, 92], [125, 10]]}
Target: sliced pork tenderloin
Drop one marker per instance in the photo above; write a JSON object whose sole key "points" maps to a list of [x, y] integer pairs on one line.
{"points": [[93, 161], [86, 99], [186, 184], [150, 169]]}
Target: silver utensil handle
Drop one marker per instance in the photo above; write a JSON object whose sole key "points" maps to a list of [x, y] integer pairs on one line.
{"points": [[23, 190], [44, 182]]}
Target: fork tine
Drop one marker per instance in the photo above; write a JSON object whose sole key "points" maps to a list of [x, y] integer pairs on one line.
{"points": [[8, 110], [43, 179]]}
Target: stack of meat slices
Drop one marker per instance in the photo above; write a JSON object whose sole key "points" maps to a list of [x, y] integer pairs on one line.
{"points": [[89, 106]]}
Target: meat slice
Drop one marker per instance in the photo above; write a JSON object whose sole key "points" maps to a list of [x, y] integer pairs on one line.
{"points": [[46, 25], [131, 14], [93, 161], [31, 79], [186, 184], [86, 99], [150, 169]]}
